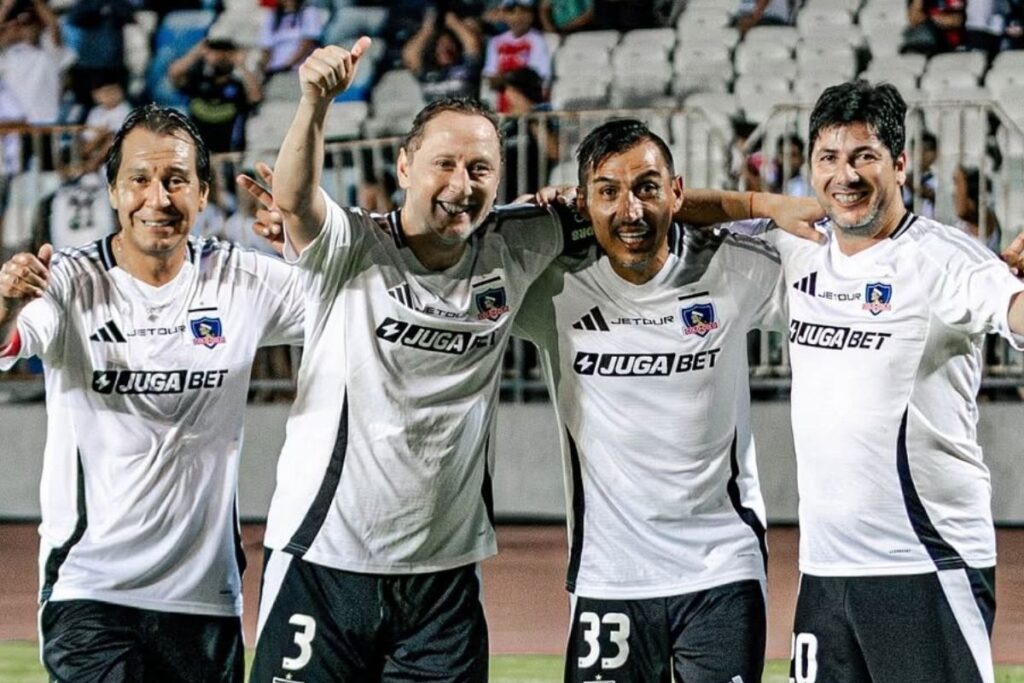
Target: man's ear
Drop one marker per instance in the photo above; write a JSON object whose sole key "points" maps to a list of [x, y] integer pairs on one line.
{"points": [[403, 168], [677, 194]]}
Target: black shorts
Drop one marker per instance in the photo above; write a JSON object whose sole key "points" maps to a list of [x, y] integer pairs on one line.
{"points": [[895, 629], [87, 640], [711, 636], [322, 624]]}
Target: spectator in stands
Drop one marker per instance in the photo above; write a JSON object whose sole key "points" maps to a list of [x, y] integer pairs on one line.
{"points": [[1014, 32], [222, 91], [290, 32], [33, 58], [109, 109], [970, 211], [520, 46], [445, 54], [567, 16], [934, 26], [753, 13], [101, 44], [789, 167], [929, 153], [78, 212], [530, 143]]}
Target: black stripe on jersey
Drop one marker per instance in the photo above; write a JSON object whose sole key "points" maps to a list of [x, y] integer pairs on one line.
{"points": [[755, 245], [675, 240], [58, 555], [487, 281], [578, 507], [303, 537], [106, 251], [394, 223], [693, 296], [983, 585], [904, 225], [748, 516], [240, 561], [487, 489], [942, 553]]}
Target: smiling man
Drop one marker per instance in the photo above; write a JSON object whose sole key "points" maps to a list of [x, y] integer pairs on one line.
{"points": [[382, 509], [644, 346], [886, 320], [147, 337]]}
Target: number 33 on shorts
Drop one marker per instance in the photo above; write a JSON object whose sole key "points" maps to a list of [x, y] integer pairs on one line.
{"points": [[615, 626]]}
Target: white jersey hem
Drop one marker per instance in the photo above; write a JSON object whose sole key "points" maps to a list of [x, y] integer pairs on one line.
{"points": [[120, 598], [335, 562], [925, 567], [620, 592]]}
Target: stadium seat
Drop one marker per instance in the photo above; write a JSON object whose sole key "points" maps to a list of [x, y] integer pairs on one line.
{"points": [[641, 90], [759, 93], [349, 23], [939, 81], [283, 86], [633, 58], [1009, 59], [905, 81], [726, 37], [396, 95], [599, 40], [849, 6], [695, 20], [837, 58], [973, 62], [571, 94], [750, 57], [581, 61], [660, 38], [875, 15], [1004, 81], [345, 120], [830, 34], [809, 83], [240, 25], [718, 106], [265, 130], [911, 63], [181, 29], [885, 39], [727, 5], [783, 36], [811, 19]]}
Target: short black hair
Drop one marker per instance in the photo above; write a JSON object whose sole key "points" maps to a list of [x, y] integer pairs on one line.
{"points": [[162, 121], [879, 106], [615, 137], [929, 141], [459, 105], [790, 140]]}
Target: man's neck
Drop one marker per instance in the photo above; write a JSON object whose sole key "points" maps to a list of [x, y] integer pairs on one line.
{"points": [[850, 245], [434, 256], [153, 270]]}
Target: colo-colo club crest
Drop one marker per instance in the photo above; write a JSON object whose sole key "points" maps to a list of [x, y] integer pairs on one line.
{"points": [[492, 303], [699, 319], [877, 296], [207, 332]]}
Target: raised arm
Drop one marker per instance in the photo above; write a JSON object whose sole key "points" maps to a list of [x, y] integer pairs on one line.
{"points": [[22, 279], [1014, 258], [795, 215], [323, 76]]}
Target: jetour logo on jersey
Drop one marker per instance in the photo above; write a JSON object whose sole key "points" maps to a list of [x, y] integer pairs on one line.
{"points": [[699, 319], [432, 338], [207, 332], [878, 295], [492, 303]]}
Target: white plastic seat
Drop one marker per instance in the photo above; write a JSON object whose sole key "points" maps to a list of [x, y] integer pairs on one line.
{"points": [[836, 58], [750, 56], [600, 40], [973, 62], [786, 36]]}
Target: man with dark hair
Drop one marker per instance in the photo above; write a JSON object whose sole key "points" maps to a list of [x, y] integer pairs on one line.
{"points": [[383, 502], [147, 336], [886, 319], [666, 521]]}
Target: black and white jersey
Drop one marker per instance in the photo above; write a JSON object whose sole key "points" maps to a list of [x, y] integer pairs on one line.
{"points": [[886, 355], [145, 397], [385, 463], [651, 392]]}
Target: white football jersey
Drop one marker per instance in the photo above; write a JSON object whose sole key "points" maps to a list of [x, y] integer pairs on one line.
{"points": [[886, 355], [652, 398], [385, 467], [145, 398]]}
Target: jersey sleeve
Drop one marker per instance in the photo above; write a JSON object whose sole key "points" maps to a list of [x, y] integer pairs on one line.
{"points": [[40, 325], [327, 257], [281, 302], [971, 288]]}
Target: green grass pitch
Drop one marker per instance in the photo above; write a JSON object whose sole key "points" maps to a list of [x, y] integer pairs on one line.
{"points": [[19, 663]]}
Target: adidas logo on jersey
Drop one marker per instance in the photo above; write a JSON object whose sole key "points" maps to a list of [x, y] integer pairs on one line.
{"points": [[807, 284], [108, 333], [592, 321]]}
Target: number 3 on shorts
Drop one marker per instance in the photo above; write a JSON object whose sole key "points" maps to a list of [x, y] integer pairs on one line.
{"points": [[619, 635], [304, 639], [805, 658]]}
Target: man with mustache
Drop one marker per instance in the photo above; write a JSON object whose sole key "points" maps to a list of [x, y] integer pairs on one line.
{"points": [[382, 509]]}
